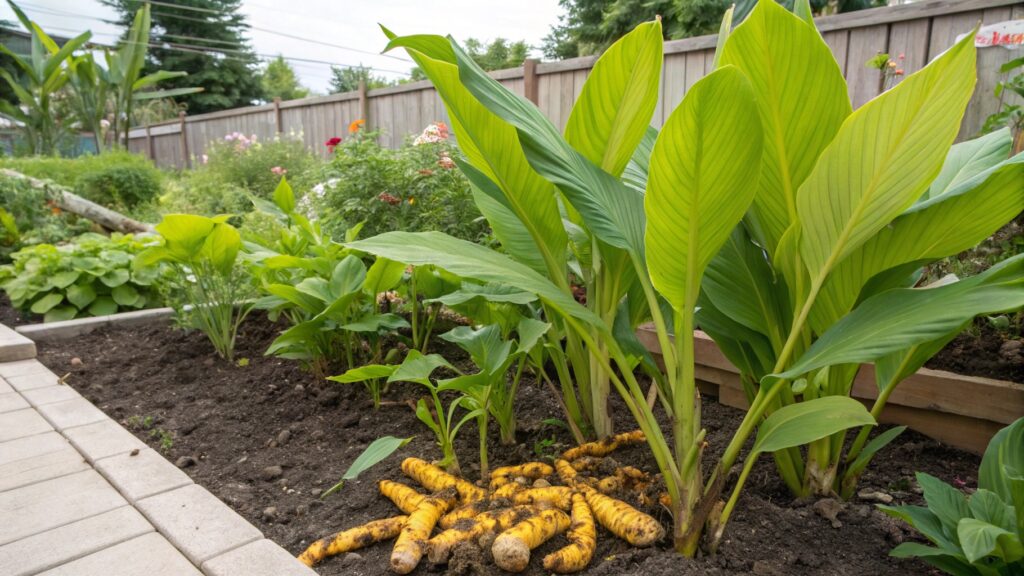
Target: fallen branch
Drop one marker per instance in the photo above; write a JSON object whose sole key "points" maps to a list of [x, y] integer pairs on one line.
{"points": [[79, 206]]}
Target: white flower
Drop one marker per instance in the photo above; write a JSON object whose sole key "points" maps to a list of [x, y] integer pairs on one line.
{"points": [[319, 190], [104, 123]]}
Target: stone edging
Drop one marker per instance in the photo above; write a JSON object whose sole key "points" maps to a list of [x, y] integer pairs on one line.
{"points": [[204, 529], [52, 331]]}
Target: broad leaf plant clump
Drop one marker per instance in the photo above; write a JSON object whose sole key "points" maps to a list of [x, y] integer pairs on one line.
{"points": [[766, 212]]}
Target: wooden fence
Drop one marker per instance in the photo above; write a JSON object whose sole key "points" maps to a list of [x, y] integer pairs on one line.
{"points": [[920, 31]]}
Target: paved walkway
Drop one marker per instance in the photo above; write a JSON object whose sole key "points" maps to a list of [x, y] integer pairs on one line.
{"points": [[82, 496]]}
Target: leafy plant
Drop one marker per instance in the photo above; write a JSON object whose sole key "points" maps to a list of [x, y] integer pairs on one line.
{"points": [[444, 422], [43, 75], [699, 189], [1009, 115], [378, 450], [487, 390], [324, 289], [202, 252], [981, 534], [90, 276], [33, 218]]}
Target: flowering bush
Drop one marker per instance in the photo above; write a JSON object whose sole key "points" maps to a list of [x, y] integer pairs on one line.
{"points": [[413, 188]]}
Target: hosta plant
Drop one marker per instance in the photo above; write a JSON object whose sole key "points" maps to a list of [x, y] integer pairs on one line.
{"points": [[700, 178], [203, 254], [90, 276], [977, 535]]}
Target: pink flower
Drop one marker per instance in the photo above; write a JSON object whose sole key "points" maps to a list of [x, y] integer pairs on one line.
{"points": [[902, 56], [446, 162], [898, 72], [204, 158], [436, 132], [278, 171]]}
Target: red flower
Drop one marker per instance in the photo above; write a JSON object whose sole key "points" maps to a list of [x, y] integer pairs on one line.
{"points": [[388, 198], [332, 143]]}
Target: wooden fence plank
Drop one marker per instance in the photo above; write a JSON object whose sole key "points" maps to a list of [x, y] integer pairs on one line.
{"points": [[865, 83]]}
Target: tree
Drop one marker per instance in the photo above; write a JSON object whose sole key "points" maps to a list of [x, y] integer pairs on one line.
{"points": [[497, 55], [279, 81], [346, 79], [590, 26], [206, 39]]}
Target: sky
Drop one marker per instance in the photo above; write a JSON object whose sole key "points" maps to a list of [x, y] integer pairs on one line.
{"points": [[347, 23]]}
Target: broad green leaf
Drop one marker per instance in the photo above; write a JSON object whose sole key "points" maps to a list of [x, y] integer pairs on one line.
{"points": [[947, 503], [307, 302], [425, 416], [987, 506], [700, 182], [473, 261], [44, 304], [802, 99], [382, 276], [1005, 450], [487, 292], [805, 422], [872, 448], [418, 367], [64, 279], [221, 247], [968, 159], [614, 109], [125, 295], [898, 319], [928, 523], [897, 366], [81, 295], [882, 159], [492, 146], [957, 220], [635, 174], [317, 288], [376, 322], [115, 278], [363, 373], [980, 539], [60, 313], [950, 562], [484, 345], [378, 450], [348, 277], [284, 198], [184, 234], [530, 332], [103, 306]]}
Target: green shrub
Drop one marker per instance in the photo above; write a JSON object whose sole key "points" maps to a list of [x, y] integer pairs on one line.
{"points": [[90, 276], [414, 188], [117, 179], [29, 217]]}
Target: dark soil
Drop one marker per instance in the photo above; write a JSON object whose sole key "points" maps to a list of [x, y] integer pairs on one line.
{"points": [[11, 317], [235, 422], [983, 351]]}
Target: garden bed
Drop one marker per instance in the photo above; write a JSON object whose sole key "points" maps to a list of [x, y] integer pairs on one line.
{"points": [[231, 426]]}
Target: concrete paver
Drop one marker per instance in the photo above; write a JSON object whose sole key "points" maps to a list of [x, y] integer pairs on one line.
{"points": [[43, 467], [259, 557], [52, 548], [102, 439], [70, 413], [145, 474], [5, 387], [45, 505], [50, 394], [12, 401], [147, 555], [21, 423], [28, 381], [8, 369], [197, 523], [30, 446]]}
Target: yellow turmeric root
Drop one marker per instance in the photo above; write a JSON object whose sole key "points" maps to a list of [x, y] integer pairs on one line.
{"points": [[507, 490], [623, 520], [462, 512], [353, 539], [604, 447], [609, 485], [582, 541], [511, 549], [406, 498], [557, 496], [531, 470], [566, 473], [434, 479], [412, 539], [439, 547]]}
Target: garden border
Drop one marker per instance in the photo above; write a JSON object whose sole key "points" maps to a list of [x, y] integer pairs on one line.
{"points": [[957, 410], [53, 331]]}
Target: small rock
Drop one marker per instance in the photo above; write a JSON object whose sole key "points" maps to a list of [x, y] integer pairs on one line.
{"points": [[350, 559], [300, 388], [185, 462], [316, 492], [301, 510], [541, 483], [283, 483], [317, 434], [189, 428], [328, 399], [829, 509], [272, 472], [134, 452], [243, 460], [1007, 347], [208, 362], [874, 496], [284, 437], [523, 480], [76, 361], [270, 514]]}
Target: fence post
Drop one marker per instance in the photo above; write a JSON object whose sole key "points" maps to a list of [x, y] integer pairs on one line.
{"points": [[149, 145], [364, 105], [184, 139], [278, 120], [530, 90]]}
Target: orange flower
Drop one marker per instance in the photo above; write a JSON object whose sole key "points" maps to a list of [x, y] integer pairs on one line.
{"points": [[356, 125]]}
